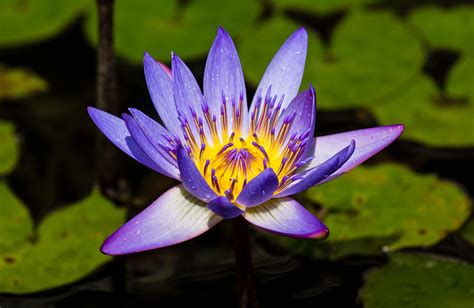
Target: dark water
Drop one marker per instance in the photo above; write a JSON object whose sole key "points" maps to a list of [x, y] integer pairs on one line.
{"points": [[57, 166]]}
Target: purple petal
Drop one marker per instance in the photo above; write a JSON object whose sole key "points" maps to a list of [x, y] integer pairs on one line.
{"points": [[285, 216], [160, 86], [157, 135], [224, 208], [259, 189], [285, 71], [369, 142], [192, 179], [314, 176], [187, 96], [303, 108], [223, 75], [116, 131], [139, 136], [174, 217]]}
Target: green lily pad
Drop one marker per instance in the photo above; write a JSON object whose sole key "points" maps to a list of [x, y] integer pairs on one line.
{"points": [[160, 27], [15, 221], [372, 210], [419, 281], [467, 232], [9, 150], [460, 82], [371, 55], [430, 117], [19, 83], [447, 28], [27, 21], [65, 248], [321, 6], [390, 200]]}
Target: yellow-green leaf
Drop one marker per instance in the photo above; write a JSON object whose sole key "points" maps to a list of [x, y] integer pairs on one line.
{"points": [[419, 281], [27, 21], [447, 27], [9, 150], [65, 248], [430, 117], [15, 222], [19, 83], [320, 6], [159, 27]]}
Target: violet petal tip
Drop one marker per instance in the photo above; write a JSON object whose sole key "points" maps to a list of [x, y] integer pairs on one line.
{"points": [[221, 30], [302, 31], [90, 111], [105, 249], [320, 234]]}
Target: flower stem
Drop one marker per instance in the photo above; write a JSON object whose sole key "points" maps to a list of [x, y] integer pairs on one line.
{"points": [[243, 263], [106, 92]]}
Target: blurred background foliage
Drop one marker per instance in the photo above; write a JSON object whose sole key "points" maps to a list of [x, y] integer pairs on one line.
{"points": [[401, 227]]}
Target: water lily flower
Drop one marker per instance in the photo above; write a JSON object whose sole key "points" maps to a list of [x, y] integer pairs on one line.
{"points": [[232, 160]]}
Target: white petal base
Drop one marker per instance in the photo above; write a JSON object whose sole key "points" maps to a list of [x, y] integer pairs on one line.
{"points": [[174, 217], [285, 216]]}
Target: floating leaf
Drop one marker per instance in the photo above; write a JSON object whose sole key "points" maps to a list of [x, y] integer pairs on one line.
{"points": [[447, 28], [160, 27], [27, 21], [15, 222], [419, 281], [9, 151], [391, 200], [18, 83], [386, 207], [370, 55], [467, 232], [66, 248], [430, 117], [321, 6], [460, 82]]}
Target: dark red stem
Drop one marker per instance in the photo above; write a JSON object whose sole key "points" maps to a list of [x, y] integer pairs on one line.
{"points": [[106, 93], [243, 263]]}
